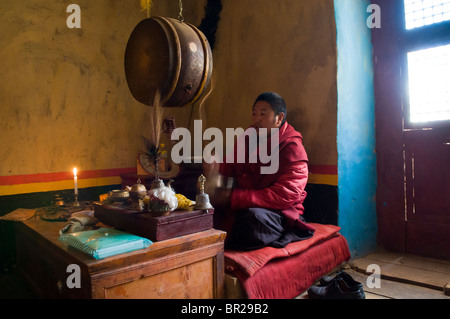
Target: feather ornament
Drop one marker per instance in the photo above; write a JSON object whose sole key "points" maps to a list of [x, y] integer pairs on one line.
{"points": [[153, 148], [156, 118]]}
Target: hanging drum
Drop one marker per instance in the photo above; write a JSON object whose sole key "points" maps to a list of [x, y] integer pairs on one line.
{"points": [[169, 56]]}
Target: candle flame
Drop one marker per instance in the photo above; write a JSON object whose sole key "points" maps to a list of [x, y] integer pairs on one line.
{"points": [[75, 171]]}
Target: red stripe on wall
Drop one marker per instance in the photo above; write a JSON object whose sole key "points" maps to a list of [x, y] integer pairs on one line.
{"points": [[323, 169], [62, 176]]}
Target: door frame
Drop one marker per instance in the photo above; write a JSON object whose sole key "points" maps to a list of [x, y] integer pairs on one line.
{"points": [[391, 42]]}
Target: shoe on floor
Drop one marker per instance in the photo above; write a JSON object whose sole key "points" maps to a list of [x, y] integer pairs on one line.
{"points": [[336, 289], [351, 283]]}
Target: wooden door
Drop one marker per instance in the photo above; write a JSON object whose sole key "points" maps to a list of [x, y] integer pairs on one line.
{"points": [[412, 155], [427, 191]]}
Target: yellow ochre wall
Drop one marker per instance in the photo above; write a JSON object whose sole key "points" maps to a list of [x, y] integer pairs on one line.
{"points": [[284, 46], [64, 100]]}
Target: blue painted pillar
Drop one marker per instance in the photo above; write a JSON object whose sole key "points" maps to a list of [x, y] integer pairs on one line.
{"points": [[356, 127]]}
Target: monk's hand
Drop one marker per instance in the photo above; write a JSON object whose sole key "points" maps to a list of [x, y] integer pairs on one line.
{"points": [[210, 170]]}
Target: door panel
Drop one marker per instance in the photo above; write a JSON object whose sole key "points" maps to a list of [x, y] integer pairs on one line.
{"points": [[427, 191]]}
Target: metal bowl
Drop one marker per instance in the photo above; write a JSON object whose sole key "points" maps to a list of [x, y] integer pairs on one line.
{"points": [[138, 191], [119, 195]]}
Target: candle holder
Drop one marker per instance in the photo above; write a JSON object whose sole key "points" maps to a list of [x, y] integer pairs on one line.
{"points": [[76, 203], [75, 180]]}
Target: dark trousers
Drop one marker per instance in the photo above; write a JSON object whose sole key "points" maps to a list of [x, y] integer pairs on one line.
{"points": [[255, 228]]}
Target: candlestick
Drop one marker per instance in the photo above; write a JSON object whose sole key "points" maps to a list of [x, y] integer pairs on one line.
{"points": [[75, 180]]}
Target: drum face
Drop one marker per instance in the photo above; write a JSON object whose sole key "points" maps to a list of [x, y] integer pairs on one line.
{"points": [[168, 56]]}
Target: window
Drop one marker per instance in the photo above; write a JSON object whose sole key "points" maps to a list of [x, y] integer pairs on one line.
{"points": [[419, 13], [428, 60], [429, 84]]}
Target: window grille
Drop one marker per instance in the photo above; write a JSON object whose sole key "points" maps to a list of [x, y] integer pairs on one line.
{"points": [[419, 13]]}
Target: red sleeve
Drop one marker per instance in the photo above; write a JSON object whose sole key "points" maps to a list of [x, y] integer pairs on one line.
{"points": [[282, 194]]}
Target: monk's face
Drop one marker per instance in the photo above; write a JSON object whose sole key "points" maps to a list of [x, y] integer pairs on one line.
{"points": [[264, 117]]}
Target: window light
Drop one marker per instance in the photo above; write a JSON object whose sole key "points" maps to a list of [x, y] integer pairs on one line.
{"points": [[429, 84]]}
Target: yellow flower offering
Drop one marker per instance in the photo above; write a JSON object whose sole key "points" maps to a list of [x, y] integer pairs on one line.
{"points": [[146, 5], [183, 202]]}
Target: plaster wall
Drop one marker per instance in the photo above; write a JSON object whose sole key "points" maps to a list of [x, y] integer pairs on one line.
{"points": [[356, 128], [284, 46], [64, 100], [63, 94]]}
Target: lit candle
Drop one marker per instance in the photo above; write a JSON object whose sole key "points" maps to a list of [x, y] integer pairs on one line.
{"points": [[75, 180]]}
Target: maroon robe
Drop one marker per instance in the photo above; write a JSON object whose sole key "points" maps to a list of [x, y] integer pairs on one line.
{"points": [[283, 191]]}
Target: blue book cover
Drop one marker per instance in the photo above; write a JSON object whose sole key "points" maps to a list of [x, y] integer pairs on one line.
{"points": [[104, 242]]}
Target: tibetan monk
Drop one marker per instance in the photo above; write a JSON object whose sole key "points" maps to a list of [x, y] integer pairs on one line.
{"points": [[263, 209]]}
